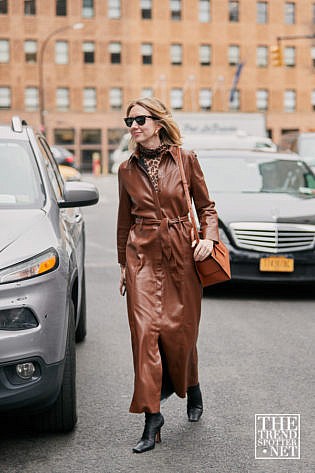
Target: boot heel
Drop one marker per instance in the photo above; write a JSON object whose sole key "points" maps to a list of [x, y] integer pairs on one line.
{"points": [[158, 438]]}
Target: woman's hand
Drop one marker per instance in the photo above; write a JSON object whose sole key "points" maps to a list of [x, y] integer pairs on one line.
{"points": [[203, 249], [122, 282]]}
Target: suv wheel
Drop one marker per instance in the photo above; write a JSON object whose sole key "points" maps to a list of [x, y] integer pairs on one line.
{"points": [[62, 415]]}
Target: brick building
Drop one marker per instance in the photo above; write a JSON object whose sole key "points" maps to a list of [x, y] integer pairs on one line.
{"points": [[75, 64]]}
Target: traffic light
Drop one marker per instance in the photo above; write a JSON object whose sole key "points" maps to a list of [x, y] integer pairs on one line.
{"points": [[276, 56]]}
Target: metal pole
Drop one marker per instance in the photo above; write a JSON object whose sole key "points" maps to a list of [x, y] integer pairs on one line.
{"points": [[41, 86]]}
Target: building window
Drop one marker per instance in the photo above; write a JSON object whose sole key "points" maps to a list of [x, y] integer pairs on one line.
{"points": [[61, 52], [3, 7], [115, 53], [30, 50], [146, 52], [115, 98], [29, 7], [64, 136], [204, 11], [89, 99], [31, 99], [4, 51], [62, 99], [114, 9], [313, 100], [234, 55], [146, 9], [5, 98], [262, 13], [234, 104], [87, 8], [176, 10], [205, 99], [176, 99], [234, 12], [205, 54], [313, 55], [289, 13], [176, 54], [88, 48], [289, 100], [61, 7], [289, 56], [262, 56], [147, 92], [262, 100]]}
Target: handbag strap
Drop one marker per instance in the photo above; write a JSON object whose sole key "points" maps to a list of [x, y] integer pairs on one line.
{"points": [[187, 195]]}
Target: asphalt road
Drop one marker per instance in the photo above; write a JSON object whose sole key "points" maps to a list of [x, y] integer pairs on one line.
{"points": [[256, 352]]}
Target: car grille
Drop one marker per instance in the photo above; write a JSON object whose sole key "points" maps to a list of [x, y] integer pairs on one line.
{"points": [[273, 237]]}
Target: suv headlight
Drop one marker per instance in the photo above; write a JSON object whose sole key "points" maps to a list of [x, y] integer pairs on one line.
{"points": [[36, 266]]}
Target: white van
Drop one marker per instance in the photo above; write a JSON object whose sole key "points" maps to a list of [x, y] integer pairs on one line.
{"points": [[239, 140]]}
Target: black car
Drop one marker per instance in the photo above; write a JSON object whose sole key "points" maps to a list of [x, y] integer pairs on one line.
{"points": [[266, 207], [63, 156]]}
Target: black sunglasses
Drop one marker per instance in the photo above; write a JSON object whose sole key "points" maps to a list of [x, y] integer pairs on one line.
{"points": [[140, 120]]}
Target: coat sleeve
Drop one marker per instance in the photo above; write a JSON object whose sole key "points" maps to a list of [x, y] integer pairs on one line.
{"points": [[205, 207], [124, 220]]}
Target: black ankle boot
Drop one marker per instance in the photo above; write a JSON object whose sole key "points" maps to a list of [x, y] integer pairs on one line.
{"points": [[151, 433], [194, 403]]}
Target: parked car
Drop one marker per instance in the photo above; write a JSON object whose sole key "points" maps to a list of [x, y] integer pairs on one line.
{"points": [[121, 153], [266, 205], [240, 140], [304, 146], [42, 280], [66, 162]]}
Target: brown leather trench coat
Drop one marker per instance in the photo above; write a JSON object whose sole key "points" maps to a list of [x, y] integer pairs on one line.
{"points": [[163, 290]]}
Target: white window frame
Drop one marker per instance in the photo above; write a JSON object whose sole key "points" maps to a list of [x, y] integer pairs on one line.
{"points": [[205, 99], [177, 98], [176, 53], [114, 9], [234, 54], [146, 9], [235, 105], [89, 99], [4, 51], [262, 56], [289, 13], [87, 8], [31, 99], [289, 56], [114, 49], [289, 100], [262, 98], [30, 51], [205, 53], [5, 98], [147, 52], [261, 13], [147, 92], [115, 98], [204, 11], [176, 10], [88, 47], [62, 52], [62, 99]]}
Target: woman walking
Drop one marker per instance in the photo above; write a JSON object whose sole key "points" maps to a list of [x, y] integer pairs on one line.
{"points": [[157, 263]]}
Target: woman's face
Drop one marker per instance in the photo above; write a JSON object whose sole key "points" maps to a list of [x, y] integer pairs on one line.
{"points": [[147, 134]]}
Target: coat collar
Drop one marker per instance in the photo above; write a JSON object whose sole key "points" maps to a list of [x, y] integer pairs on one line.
{"points": [[172, 151]]}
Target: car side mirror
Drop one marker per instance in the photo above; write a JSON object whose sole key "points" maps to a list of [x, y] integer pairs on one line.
{"points": [[78, 194]]}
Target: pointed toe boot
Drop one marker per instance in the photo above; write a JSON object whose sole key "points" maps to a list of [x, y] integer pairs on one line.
{"points": [[151, 433]]}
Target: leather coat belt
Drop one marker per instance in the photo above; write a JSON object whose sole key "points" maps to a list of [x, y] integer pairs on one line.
{"points": [[165, 224]]}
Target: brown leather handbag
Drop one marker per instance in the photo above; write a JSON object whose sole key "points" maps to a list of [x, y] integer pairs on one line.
{"points": [[216, 267]]}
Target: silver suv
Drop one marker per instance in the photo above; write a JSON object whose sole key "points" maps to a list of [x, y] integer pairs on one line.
{"points": [[42, 284]]}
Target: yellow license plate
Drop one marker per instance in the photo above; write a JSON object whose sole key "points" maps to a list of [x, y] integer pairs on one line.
{"points": [[277, 264]]}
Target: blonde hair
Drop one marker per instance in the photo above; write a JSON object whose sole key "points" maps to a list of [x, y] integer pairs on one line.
{"points": [[169, 133]]}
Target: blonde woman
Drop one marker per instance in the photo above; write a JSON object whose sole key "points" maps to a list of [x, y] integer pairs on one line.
{"points": [[157, 256]]}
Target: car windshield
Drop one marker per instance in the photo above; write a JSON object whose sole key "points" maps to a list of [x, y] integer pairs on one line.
{"points": [[20, 181], [253, 174]]}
